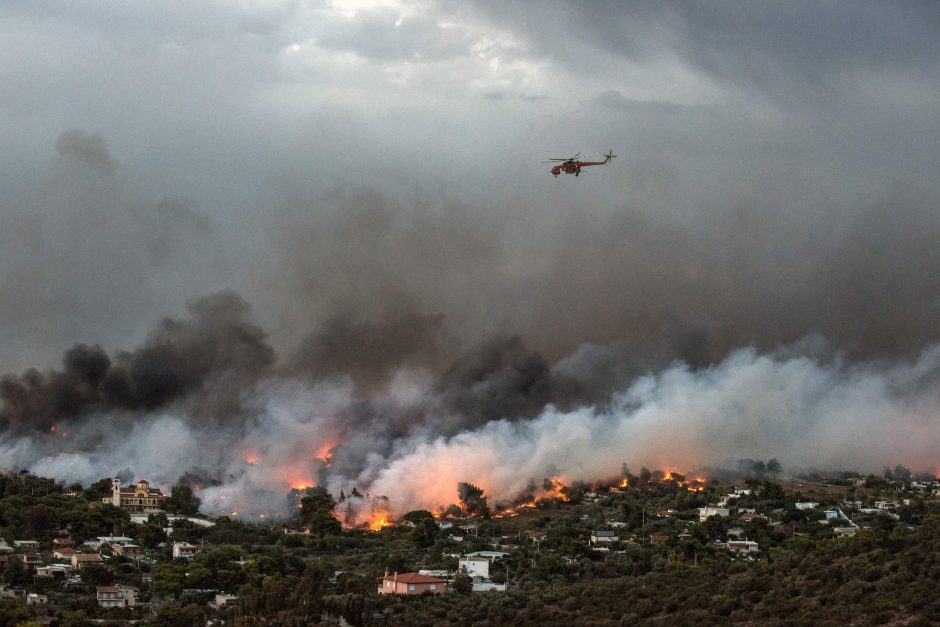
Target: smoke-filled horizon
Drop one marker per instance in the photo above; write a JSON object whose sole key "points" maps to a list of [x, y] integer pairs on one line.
{"points": [[204, 401]]}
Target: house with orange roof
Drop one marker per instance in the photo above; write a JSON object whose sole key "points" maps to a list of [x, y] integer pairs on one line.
{"points": [[411, 583]]}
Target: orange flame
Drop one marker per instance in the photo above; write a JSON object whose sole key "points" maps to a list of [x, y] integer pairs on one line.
{"points": [[556, 490], [325, 453], [379, 521]]}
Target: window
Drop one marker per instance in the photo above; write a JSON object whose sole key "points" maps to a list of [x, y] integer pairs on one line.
{"points": [[433, 586], [411, 586]]}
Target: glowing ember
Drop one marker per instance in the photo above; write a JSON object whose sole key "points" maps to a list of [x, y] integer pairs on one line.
{"points": [[625, 483], [251, 460], [52, 429]]}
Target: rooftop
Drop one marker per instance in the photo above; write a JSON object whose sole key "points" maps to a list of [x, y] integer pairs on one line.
{"points": [[413, 578]]}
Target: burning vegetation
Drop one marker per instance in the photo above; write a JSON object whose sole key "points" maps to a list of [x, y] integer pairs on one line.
{"points": [[357, 510]]}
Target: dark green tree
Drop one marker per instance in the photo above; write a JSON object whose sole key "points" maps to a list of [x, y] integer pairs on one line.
{"points": [[463, 583], [182, 501], [472, 500], [316, 512], [97, 491], [96, 575]]}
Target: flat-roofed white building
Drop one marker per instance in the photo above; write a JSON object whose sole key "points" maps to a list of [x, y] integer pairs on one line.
{"points": [[704, 513], [475, 566]]}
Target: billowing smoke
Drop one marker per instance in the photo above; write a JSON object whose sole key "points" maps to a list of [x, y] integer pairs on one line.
{"points": [[503, 419], [207, 359], [399, 348]]}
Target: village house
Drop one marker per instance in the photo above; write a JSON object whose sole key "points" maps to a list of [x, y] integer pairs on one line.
{"points": [[705, 512], [53, 570], [127, 550], [64, 554], [486, 586], [440, 573], [139, 497], [114, 540], [225, 600], [411, 584], [742, 546], [31, 560], [80, 560], [603, 535], [184, 550], [63, 542], [476, 567], [492, 555], [806, 505], [117, 596], [26, 545], [658, 538], [34, 598], [141, 519]]}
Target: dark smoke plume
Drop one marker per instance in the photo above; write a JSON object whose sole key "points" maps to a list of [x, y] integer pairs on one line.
{"points": [[206, 359]]}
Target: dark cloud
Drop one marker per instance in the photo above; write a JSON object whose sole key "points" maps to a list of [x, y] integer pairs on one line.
{"points": [[787, 50]]}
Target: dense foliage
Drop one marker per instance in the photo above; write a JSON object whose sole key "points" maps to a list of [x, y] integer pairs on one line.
{"points": [[802, 574]]}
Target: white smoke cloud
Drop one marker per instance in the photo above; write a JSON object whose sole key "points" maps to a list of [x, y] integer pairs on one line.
{"points": [[805, 413]]}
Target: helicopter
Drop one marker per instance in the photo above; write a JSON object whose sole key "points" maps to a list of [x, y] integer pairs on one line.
{"points": [[573, 165]]}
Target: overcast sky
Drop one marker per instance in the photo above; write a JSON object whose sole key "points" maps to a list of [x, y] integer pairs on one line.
{"points": [[374, 156]]}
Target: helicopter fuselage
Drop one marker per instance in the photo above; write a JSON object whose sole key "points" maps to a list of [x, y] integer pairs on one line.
{"points": [[574, 167]]}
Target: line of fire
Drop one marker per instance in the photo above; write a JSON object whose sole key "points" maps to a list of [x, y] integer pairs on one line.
{"points": [[366, 511]]}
